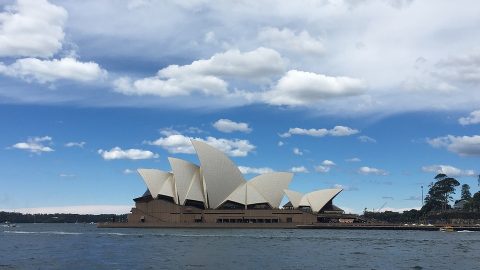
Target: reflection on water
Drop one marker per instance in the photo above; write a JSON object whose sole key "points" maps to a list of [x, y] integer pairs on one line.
{"points": [[78, 246]]}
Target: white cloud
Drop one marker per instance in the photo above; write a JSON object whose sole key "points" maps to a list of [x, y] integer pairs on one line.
{"points": [[336, 131], [77, 209], [366, 139], [118, 153], [286, 39], [44, 71], [208, 85], [207, 76], [175, 143], [450, 73], [322, 169], [31, 28], [262, 170], [306, 88], [178, 143], [299, 169], [345, 188], [448, 170], [354, 159], [462, 67], [259, 64], [473, 118], [325, 167], [129, 171], [461, 145], [297, 151], [280, 143], [75, 144], [66, 175], [35, 145], [228, 126], [369, 170], [329, 163]]}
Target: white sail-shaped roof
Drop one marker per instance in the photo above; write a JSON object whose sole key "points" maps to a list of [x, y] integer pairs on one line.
{"points": [[271, 186], [319, 198], [220, 174], [156, 180], [168, 188], [316, 199], [187, 180], [254, 196], [294, 197], [196, 191], [239, 195], [246, 194]]}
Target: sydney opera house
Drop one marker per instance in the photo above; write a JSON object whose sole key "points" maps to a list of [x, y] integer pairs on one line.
{"points": [[215, 194]]}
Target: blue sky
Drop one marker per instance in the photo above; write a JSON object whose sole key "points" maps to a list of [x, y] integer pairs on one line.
{"points": [[375, 97]]}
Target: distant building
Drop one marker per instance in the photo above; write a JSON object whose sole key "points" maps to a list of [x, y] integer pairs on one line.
{"points": [[216, 194], [460, 204]]}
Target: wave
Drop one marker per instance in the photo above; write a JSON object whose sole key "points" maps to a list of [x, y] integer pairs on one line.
{"points": [[46, 232]]}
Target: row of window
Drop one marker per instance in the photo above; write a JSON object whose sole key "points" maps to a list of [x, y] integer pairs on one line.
{"points": [[251, 220]]}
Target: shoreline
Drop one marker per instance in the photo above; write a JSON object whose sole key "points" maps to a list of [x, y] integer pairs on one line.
{"points": [[398, 227]]}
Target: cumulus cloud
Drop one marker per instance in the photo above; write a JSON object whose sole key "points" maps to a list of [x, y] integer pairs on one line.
{"points": [[262, 170], [31, 28], [228, 126], [44, 71], [305, 88], [75, 144], [328, 163], [35, 145], [207, 76], [286, 39], [297, 151], [280, 143], [473, 118], [118, 153], [461, 145], [325, 166], [336, 131], [448, 170], [178, 143], [208, 85], [299, 169], [370, 170], [366, 139], [322, 169]]}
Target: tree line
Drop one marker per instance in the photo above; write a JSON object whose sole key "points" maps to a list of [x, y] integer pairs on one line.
{"points": [[15, 217], [437, 205], [440, 195]]}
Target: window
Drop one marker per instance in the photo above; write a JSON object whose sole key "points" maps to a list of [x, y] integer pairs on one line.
{"points": [[289, 220]]}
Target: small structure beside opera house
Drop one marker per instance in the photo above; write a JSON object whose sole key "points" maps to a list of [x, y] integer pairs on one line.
{"points": [[215, 194]]}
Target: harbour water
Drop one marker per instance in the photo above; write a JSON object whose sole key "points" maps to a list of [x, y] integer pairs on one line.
{"points": [[83, 246]]}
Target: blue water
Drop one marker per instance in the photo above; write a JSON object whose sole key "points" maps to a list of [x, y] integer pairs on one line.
{"points": [[78, 246]]}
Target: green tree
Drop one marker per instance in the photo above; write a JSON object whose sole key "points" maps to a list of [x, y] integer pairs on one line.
{"points": [[466, 195], [474, 203], [440, 193]]}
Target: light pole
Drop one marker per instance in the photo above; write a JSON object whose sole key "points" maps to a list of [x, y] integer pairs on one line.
{"points": [[422, 196]]}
